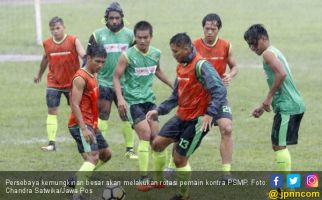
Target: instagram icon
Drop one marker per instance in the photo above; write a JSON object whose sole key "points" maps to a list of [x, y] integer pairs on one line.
{"points": [[312, 181]]}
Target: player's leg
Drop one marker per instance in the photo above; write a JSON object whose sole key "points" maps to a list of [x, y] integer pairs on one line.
{"points": [[103, 149], [188, 142], [88, 151], [104, 109], [224, 122], [128, 135], [284, 132], [53, 100]]}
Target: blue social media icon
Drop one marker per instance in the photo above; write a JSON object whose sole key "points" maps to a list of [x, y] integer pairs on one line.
{"points": [[276, 180], [293, 180]]}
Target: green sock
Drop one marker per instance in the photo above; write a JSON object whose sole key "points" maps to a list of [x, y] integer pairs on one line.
{"points": [[99, 164], [128, 134], [184, 174], [103, 126], [226, 168], [84, 173], [283, 160], [52, 127], [171, 162], [159, 159], [143, 153]]}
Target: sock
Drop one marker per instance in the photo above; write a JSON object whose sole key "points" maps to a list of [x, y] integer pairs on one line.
{"points": [[171, 162], [52, 127], [128, 134], [103, 126], [84, 173], [143, 153], [99, 164], [159, 159], [283, 160], [184, 174], [226, 168]]}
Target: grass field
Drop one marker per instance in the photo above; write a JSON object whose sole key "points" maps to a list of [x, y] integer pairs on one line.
{"points": [[294, 27]]}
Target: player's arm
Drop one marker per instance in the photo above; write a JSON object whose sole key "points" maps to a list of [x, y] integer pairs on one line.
{"points": [[213, 83], [43, 66], [233, 70], [76, 96], [166, 106], [159, 73], [79, 48], [119, 71], [279, 76]]}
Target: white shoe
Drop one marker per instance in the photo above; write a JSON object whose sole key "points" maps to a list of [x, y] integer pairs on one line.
{"points": [[169, 172], [49, 147]]}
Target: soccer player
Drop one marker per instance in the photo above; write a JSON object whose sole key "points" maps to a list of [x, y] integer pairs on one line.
{"points": [[283, 96], [199, 94], [116, 39], [84, 115], [219, 53], [138, 66], [61, 54]]}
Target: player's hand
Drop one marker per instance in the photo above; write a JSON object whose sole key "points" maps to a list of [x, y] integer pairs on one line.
{"points": [[122, 108], [152, 114], [37, 79], [267, 104], [206, 123], [257, 112], [88, 135], [227, 79]]}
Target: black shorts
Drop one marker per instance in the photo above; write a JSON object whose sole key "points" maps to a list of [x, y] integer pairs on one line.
{"points": [[107, 93], [187, 134], [285, 129], [53, 96], [138, 111], [224, 112], [83, 145]]}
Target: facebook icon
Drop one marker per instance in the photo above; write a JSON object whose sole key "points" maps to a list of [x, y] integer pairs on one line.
{"points": [[277, 180]]}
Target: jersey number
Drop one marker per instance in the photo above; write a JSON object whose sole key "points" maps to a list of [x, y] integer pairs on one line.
{"points": [[183, 143]]}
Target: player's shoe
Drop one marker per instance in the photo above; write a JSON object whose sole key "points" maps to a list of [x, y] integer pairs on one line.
{"points": [[227, 178], [50, 147], [180, 197], [144, 184], [130, 154], [169, 172]]}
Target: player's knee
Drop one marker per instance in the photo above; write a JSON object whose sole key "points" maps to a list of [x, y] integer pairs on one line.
{"points": [[226, 131], [104, 115], [105, 155], [157, 146]]}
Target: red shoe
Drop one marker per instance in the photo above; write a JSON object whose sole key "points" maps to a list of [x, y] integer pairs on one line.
{"points": [[158, 184], [144, 185]]}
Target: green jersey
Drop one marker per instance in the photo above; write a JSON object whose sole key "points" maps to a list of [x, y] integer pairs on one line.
{"points": [[287, 99], [114, 44], [139, 74]]}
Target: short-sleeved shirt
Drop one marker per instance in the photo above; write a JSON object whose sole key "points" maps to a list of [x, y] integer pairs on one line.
{"points": [[139, 75], [114, 44]]}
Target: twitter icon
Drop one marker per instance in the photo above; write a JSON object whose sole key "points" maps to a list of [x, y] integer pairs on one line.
{"points": [[293, 180]]}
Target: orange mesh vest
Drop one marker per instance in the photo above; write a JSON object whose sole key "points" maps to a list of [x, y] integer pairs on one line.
{"points": [[88, 104], [63, 62], [216, 55], [193, 98]]}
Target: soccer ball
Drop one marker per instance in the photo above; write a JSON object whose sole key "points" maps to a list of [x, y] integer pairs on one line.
{"points": [[113, 192]]}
